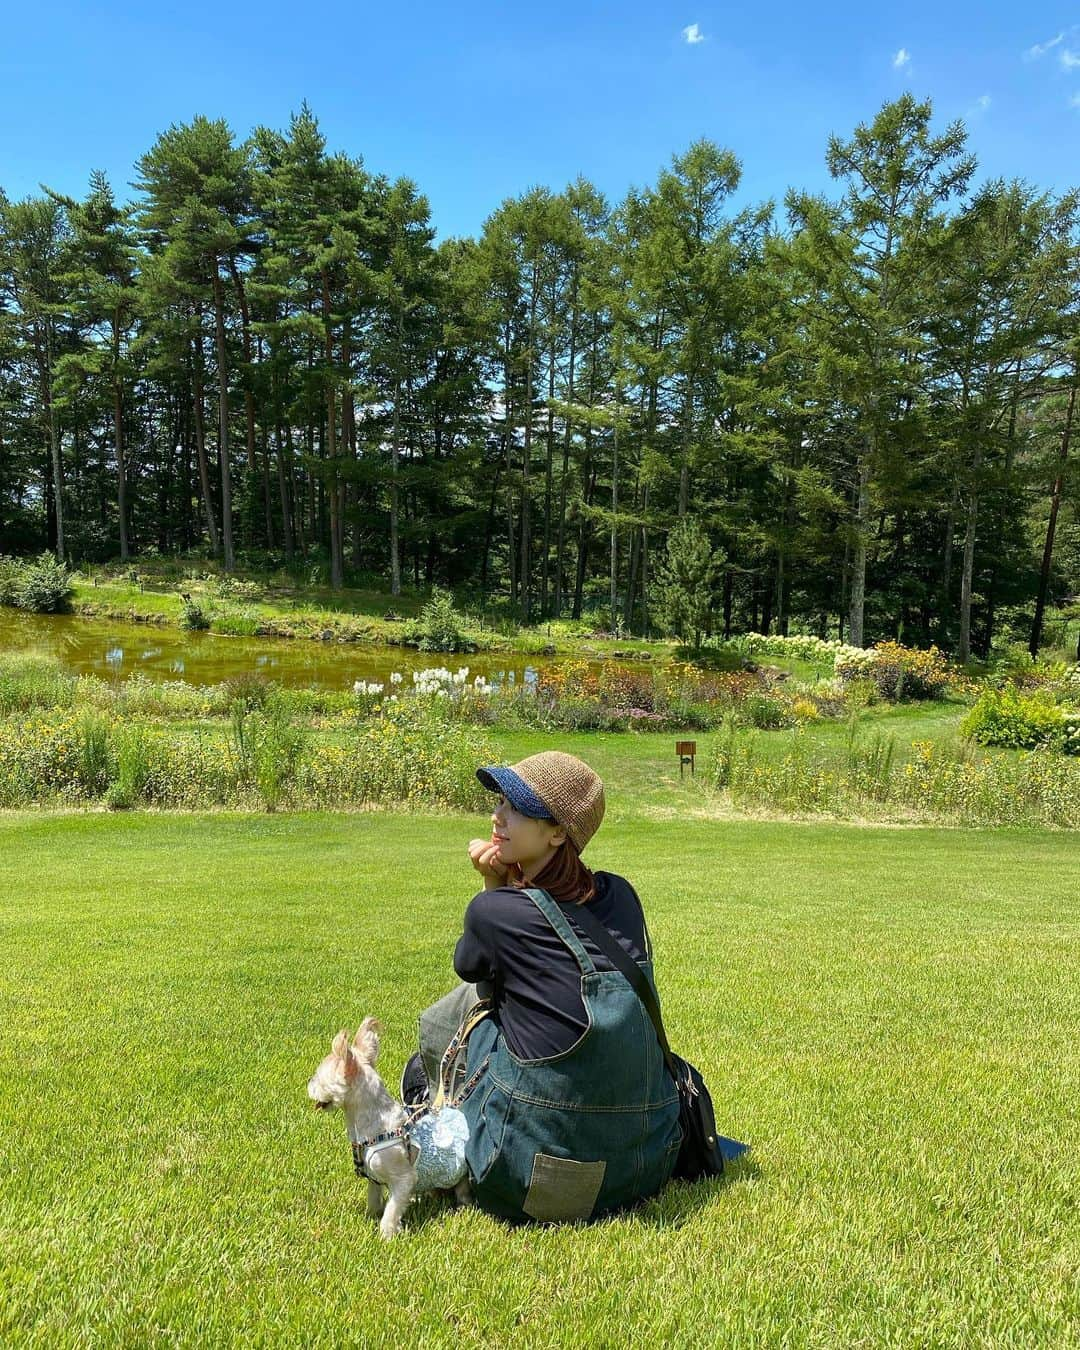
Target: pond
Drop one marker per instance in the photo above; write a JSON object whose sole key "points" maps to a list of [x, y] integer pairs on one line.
{"points": [[117, 650]]}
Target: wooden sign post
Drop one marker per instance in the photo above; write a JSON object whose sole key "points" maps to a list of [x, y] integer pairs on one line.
{"points": [[686, 750]]}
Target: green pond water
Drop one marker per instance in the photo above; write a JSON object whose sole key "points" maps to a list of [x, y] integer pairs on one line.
{"points": [[118, 651]]}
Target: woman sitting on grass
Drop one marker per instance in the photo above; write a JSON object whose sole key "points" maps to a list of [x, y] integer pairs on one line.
{"points": [[571, 1109]]}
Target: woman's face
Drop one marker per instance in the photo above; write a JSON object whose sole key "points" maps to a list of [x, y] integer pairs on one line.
{"points": [[523, 839]]}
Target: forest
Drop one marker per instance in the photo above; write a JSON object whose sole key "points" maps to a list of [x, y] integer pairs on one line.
{"points": [[855, 407]]}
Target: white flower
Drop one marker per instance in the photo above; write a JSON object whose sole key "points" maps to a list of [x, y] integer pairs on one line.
{"points": [[396, 677]]}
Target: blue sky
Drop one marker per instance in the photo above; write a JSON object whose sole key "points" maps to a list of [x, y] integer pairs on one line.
{"points": [[479, 101]]}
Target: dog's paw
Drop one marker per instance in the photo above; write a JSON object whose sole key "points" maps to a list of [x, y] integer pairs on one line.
{"points": [[389, 1228], [463, 1193]]}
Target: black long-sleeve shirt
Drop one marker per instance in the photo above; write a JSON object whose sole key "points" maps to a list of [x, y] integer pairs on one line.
{"points": [[536, 980]]}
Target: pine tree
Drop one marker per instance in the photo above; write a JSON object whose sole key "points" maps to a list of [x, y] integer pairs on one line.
{"points": [[687, 583]]}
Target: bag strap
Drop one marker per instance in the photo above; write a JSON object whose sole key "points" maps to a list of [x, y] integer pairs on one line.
{"points": [[621, 959]]}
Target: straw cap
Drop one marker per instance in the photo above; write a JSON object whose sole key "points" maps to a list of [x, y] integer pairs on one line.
{"points": [[552, 786]]}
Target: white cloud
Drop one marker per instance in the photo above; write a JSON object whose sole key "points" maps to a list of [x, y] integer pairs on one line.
{"points": [[983, 102], [693, 34], [1041, 48], [901, 59], [1070, 60]]}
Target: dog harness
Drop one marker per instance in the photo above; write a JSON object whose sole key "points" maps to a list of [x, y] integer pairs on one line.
{"points": [[436, 1142]]}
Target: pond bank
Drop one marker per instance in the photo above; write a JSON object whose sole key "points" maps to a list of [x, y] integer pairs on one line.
{"points": [[117, 648]]}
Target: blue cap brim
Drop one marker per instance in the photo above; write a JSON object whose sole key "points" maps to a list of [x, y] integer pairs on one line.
{"points": [[499, 778]]}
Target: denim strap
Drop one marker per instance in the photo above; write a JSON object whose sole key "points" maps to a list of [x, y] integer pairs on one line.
{"points": [[558, 920]]}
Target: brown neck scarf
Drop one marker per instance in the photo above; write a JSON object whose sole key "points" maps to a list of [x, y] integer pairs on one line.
{"points": [[565, 876]]}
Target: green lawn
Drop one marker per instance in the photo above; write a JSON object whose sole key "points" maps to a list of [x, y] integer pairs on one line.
{"points": [[889, 1016]]}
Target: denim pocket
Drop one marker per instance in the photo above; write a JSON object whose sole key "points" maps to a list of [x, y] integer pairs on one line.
{"points": [[562, 1189]]}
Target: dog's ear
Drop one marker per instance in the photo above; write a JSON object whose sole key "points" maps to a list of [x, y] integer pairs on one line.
{"points": [[352, 1068], [343, 1050], [366, 1041]]}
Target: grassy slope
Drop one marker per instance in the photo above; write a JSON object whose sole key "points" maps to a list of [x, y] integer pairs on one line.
{"points": [[890, 1017]]}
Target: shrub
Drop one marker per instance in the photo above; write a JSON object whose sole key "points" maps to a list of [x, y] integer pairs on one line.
{"points": [[195, 615], [1010, 718], [907, 672], [41, 585], [898, 672], [766, 711], [440, 624]]}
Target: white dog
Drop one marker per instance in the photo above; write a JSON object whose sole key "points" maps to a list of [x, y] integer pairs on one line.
{"points": [[394, 1150]]}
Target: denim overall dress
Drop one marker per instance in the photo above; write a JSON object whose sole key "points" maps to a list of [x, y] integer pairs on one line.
{"points": [[575, 1134]]}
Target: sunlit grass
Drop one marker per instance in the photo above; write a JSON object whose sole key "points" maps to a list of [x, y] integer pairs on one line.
{"points": [[889, 1017]]}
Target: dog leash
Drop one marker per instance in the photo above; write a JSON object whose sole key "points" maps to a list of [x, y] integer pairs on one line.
{"points": [[473, 1018]]}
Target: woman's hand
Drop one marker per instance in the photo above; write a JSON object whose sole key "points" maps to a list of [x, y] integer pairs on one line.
{"points": [[484, 854]]}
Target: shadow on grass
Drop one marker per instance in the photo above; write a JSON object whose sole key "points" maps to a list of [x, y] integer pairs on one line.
{"points": [[681, 1200], [678, 1202]]}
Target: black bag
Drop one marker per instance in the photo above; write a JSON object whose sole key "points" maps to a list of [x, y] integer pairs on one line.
{"points": [[703, 1151]]}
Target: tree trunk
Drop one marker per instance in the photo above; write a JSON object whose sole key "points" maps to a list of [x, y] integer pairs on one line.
{"points": [[200, 443], [1051, 528], [729, 588], [584, 535], [223, 424], [526, 460], [118, 439], [395, 456], [348, 436], [508, 445], [687, 442], [283, 492], [560, 545], [45, 368], [331, 482], [614, 511], [249, 397], [966, 577], [857, 596], [631, 579], [489, 529], [946, 567]]}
